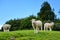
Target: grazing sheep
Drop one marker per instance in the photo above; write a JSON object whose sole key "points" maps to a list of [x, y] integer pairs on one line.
{"points": [[36, 25], [6, 27], [48, 25]]}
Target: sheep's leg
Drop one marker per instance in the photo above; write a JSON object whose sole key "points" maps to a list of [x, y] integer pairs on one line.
{"points": [[41, 27], [34, 29], [44, 28], [4, 30], [8, 30], [37, 29], [50, 29]]}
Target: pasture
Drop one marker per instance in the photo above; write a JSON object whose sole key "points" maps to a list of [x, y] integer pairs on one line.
{"points": [[29, 35]]}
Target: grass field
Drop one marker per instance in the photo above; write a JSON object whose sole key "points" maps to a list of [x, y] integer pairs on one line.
{"points": [[29, 35]]}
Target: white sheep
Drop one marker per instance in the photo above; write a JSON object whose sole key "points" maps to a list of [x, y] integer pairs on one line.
{"points": [[6, 27], [36, 25], [48, 25]]}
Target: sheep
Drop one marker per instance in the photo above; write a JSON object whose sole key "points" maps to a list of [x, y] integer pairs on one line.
{"points": [[48, 25], [36, 25], [6, 27]]}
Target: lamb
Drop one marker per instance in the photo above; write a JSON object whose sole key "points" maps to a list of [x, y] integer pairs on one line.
{"points": [[36, 25], [48, 25], [6, 27]]}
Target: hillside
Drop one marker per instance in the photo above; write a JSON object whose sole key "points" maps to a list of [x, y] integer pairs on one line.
{"points": [[29, 35]]}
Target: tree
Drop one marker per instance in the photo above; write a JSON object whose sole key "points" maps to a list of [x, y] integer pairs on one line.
{"points": [[57, 25], [46, 12], [15, 24], [26, 23]]}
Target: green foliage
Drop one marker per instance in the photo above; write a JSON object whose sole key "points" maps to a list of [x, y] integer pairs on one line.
{"points": [[57, 25], [26, 23], [15, 24], [29, 35], [57, 21], [46, 12], [20, 24]]}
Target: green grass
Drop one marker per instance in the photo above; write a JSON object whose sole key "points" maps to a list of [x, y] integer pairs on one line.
{"points": [[29, 35]]}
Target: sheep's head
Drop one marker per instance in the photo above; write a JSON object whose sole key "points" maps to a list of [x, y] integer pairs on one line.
{"points": [[52, 23], [6, 26], [32, 20]]}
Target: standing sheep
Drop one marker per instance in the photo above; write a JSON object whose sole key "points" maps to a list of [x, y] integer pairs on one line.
{"points": [[36, 25], [6, 27], [48, 25]]}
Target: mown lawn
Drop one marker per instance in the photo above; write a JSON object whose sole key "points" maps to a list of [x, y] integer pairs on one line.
{"points": [[29, 35]]}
